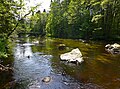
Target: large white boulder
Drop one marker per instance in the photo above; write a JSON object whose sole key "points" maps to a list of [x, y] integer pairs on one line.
{"points": [[74, 56]]}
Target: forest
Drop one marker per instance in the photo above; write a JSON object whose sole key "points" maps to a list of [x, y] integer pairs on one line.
{"points": [[69, 19]]}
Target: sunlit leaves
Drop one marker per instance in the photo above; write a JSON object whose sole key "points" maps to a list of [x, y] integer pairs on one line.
{"points": [[104, 3], [96, 18]]}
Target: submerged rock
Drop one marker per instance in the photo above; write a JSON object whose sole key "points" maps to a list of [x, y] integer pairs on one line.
{"points": [[61, 46], [113, 48], [74, 56], [46, 79]]}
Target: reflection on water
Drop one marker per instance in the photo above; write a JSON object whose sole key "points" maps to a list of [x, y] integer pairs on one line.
{"points": [[23, 50], [29, 69], [100, 70]]}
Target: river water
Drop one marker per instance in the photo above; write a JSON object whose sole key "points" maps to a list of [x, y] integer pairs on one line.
{"points": [[35, 59]]}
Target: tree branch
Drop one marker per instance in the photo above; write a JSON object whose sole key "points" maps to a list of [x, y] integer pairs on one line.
{"points": [[18, 24]]}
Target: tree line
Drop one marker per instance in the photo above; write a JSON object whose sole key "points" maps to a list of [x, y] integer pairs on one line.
{"points": [[86, 19], [79, 19]]}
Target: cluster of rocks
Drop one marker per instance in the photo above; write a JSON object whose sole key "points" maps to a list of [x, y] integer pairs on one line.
{"points": [[5, 68], [113, 48]]}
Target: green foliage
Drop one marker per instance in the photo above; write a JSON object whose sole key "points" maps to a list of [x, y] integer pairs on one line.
{"points": [[8, 10], [9, 18], [3, 48], [87, 19], [12, 20], [57, 22], [38, 22]]}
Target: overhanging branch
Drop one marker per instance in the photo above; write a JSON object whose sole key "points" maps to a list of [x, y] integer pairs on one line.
{"points": [[18, 24]]}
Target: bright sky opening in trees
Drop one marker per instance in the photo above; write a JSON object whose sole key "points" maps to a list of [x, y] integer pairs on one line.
{"points": [[45, 4]]}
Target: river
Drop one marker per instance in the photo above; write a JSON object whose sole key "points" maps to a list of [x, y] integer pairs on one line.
{"points": [[35, 59]]}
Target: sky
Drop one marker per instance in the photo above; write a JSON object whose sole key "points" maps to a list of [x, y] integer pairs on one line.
{"points": [[44, 4]]}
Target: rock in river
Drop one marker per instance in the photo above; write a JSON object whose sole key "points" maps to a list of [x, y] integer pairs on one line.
{"points": [[61, 46], [46, 79], [74, 56], [113, 48]]}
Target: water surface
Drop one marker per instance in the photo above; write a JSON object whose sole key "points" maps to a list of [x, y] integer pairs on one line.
{"points": [[35, 59]]}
